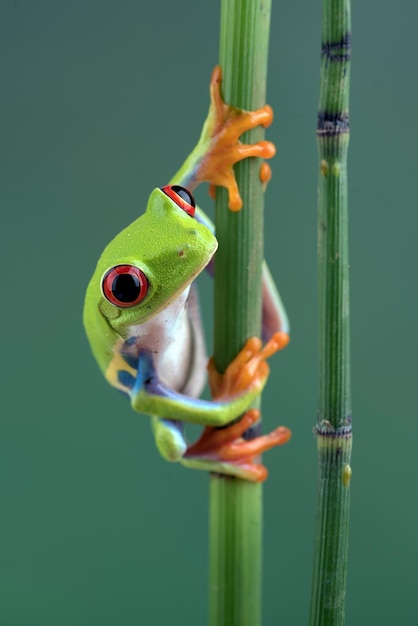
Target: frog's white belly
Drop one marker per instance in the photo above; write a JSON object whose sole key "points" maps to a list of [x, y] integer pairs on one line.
{"points": [[175, 340]]}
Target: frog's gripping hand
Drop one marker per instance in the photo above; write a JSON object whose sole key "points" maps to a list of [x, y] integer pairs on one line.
{"points": [[219, 148], [224, 450], [249, 368]]}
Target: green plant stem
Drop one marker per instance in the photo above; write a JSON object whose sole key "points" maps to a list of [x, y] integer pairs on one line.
{"points": [[235, 505], [333, 430]]}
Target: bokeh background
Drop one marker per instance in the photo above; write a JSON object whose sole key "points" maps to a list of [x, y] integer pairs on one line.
{"points": [[101, 101]]}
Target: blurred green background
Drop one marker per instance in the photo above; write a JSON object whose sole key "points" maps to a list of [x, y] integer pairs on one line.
{"points": [[101, 101]]}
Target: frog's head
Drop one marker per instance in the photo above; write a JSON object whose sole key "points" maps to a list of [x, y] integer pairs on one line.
{"points": [[153, 260]]}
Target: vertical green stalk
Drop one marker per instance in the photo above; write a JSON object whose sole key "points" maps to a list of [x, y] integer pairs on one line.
{"points": [[235, 523], [333, 429]]}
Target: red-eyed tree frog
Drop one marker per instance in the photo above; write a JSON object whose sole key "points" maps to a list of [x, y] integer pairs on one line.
{"points": [[142, 319]]}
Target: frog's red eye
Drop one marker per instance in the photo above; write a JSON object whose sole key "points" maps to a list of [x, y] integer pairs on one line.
{"points": [[125, 285], [182, 197]]}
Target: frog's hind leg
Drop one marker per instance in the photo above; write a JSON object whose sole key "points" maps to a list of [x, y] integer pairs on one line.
{"points": [[169, 438], [223, 450]]}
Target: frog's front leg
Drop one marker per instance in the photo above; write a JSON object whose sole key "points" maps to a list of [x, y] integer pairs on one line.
{"points": [[219, 148], [243, 381]]}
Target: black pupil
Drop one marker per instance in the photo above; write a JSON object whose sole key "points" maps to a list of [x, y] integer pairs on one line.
{"points": [[184, 194], [126, 287]]}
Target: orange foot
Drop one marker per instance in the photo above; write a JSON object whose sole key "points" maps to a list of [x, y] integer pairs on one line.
{"points": [[224, 126], [231, 454], [248, 371]]}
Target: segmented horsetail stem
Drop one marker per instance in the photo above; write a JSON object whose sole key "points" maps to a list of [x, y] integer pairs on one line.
{"points": [[235, 529], [333, 430]]}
